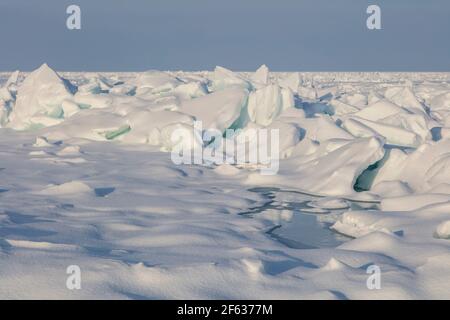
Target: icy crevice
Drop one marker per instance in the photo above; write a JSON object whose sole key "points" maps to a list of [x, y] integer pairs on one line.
{"points": [[364, 181]]}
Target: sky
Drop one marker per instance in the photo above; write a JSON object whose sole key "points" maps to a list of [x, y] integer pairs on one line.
{"points": [[286, 35]]}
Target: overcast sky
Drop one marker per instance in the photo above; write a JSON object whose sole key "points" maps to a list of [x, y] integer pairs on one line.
{"points": [[287, 35]]}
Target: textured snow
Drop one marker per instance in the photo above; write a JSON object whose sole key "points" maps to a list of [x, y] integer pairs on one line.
{"points": [[86, 179]]}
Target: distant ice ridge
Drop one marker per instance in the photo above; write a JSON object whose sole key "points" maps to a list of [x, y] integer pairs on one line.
{"points": [[336, 139]]}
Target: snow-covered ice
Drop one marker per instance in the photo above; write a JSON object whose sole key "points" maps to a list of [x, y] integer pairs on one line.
{"points": [[86, 179]]}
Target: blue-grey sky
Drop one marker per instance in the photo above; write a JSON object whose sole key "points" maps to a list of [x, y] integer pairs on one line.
{"points": [[287, 35]]}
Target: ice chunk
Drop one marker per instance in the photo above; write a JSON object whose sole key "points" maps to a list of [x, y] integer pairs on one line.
{"points": [[404, 97], [69, 151], [4, 113], [290, 135], [327, 93], [42, 91], [440, 106], [9, 90], [393, 164], [345, 163], [42, 142], [13, 79], [69, 108], [112, 134], [312, 109], [146, 125], [307, 93], [357, 99], [288, 132], [265, 104], [66, 189], [37, 122], [394, 135], [373, 97], [379, 110], [5, 95], [323, 128], [329, 203], [123, 89], [224, 78], [190, 90], [94, 101], [416, 123], [261, 76], [422, 169], [287, 98], [218, 110], [292, 81], [440, 102], [157, 81], [179, 138], [91, 124], [360, 223], [95, 85], [388, 189], [342, 108], [443, 230], [325, 172]]}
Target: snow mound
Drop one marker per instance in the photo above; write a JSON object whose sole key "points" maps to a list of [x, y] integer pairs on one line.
{"points": [[443, 230], [66, 189]]}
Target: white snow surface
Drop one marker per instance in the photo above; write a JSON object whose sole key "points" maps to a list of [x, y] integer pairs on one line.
{"points": [[86, 180]]}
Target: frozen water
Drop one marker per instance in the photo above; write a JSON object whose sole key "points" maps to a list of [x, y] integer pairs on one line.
{"points": [[303, 223], [85, 178]]}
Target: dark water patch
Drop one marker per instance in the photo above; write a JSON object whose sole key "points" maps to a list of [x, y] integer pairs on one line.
{"points": [[309, 227], [365, 179], [104, 192], [436, 133]]}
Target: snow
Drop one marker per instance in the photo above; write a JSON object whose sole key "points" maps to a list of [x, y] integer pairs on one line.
{"points": [[443, 230], [86, 178]]}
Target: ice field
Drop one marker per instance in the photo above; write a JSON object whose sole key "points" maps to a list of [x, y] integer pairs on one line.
{"points": [[87, 179]]}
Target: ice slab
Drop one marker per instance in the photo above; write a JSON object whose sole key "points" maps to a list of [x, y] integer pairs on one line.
{"points": [[42, 92]]}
